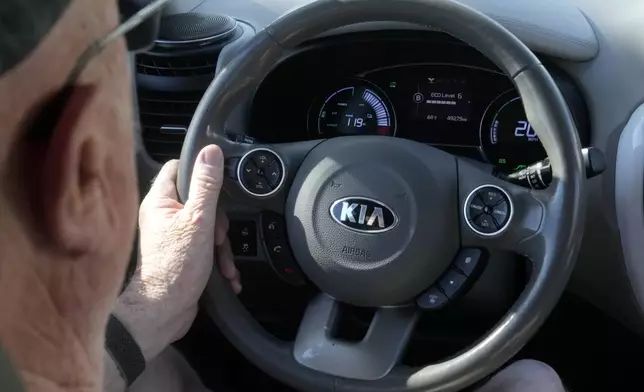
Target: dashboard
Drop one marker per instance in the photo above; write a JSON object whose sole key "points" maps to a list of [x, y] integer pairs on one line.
{"points": [[593, 50], [444, 94]]}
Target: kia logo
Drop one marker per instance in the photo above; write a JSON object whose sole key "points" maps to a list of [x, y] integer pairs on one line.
{"points": [[363, 215]]}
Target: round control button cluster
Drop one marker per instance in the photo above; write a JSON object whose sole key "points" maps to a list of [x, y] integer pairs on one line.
{"points": [[261, 172], [488, 210]]}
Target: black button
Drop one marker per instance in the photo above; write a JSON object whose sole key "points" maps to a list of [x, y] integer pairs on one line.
{"points": [[485, 224], [476, 208], [262, 158], [261, 172], [277, 249], [248, 172], [489, 210], [501, 212], [283, 262], [259, 186], [432, 299], [467, 260], [273, 226], [289, 272], [452, 282], [243, 238], [273, 173], [491, 196]]}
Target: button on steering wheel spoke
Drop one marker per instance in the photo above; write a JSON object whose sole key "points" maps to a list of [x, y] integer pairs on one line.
{"points": [[261, 172], [497, 214], [260, 175]]}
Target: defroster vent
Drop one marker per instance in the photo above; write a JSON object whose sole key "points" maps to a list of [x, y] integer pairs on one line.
{"points": [[165, 117]]}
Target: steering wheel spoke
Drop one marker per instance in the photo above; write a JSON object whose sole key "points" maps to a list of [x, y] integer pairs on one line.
{"points": [[498, 214], [260, 175], [370, 359]]}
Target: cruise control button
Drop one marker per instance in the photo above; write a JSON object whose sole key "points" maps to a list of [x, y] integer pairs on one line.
{"points": [[485, 223], [432, 299], [491, 196], [274, 173], [501, 213], [477, 207], [452, 282], [488, 210], [467, 260]]}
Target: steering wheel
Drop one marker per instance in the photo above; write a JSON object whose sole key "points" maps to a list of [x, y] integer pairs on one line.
{"points": [[401, 208]]}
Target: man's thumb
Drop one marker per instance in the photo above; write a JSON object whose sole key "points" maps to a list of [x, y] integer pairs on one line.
{"points": [[206, 182]]}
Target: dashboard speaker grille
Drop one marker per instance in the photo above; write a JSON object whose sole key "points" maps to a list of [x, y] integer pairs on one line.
{"points": [[165, 117], [195, 28]]}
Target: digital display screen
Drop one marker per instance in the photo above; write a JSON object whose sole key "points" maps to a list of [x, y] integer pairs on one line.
{"points": [[440, 104], [438, 99], [508, 139]]}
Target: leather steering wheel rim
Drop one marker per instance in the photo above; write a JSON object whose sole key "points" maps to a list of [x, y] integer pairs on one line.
{"points": [[548, 229]]}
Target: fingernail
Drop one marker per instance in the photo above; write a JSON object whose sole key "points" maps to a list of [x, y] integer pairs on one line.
{"points": [[211, 156]]}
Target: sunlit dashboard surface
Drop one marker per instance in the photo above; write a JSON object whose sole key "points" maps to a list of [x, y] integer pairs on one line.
{"points": [[468, 107]]}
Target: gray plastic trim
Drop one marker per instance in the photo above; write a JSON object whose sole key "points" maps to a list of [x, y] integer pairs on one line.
{"points": [[370, 359], [551, 27], [629, 199]]}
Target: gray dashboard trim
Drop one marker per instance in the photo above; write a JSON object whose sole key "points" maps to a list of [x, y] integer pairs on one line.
{"points": [[629, 199], [551, 27]]}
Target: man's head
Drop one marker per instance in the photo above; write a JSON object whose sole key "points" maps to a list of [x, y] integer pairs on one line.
{"points": [[67, 185]]}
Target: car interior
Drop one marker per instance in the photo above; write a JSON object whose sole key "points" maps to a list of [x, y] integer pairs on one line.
{"points": [[419, 191]]}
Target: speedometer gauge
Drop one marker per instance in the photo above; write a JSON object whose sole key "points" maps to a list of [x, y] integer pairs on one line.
{"points": [[355, 108], [507, 138]]}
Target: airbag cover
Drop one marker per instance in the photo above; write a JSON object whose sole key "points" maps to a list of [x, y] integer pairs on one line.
{"points": [[374, 219]]}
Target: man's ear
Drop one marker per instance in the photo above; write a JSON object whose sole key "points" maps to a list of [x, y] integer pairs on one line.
{"points": [[71, 190]]}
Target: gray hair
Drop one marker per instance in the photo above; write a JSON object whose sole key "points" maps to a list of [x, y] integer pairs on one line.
{"points": [[23, 24]]}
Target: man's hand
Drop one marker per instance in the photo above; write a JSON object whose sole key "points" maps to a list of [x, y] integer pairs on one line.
{"points": [[178, 244]]}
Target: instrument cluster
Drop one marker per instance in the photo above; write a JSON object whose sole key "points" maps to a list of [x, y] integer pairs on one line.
{"points": [[466, 107]]}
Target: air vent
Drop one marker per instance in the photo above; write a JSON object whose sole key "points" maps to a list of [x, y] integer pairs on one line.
{"points": [[186, 66], [165, 117]]}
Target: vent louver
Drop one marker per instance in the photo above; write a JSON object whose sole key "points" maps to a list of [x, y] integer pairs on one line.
{"points": [[184, 66], [165, 117]]}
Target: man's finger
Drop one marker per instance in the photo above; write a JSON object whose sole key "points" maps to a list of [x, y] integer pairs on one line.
{"points": [[237, 287], [221, 227], [165, 183], [205, 185], [226, 261], [226, 264]]}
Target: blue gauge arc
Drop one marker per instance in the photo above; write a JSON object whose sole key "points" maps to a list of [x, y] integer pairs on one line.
{"points": [[508, 140], [360, 109]]}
